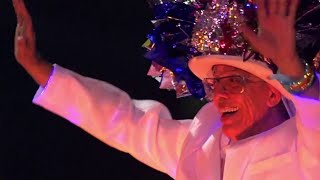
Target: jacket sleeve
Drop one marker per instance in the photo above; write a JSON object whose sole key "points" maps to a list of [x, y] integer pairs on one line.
{"points": [[144, 128], [308, 126]]}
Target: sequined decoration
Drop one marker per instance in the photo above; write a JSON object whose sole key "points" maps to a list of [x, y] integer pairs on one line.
{"points": [[316, 62], [216, 26], [167, 80], [153, 3]]}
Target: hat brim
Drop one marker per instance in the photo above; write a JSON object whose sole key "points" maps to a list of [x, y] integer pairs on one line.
{"points": [[202, 65]]}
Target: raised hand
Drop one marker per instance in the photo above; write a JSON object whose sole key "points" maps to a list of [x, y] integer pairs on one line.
{"points": [[25, 46], [276, 37]]}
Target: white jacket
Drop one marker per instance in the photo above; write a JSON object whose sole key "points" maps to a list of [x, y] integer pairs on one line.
{"points": [[187, 149]]}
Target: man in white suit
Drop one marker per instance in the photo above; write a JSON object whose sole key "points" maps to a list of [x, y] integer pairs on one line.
{"points": [[241, 135]]}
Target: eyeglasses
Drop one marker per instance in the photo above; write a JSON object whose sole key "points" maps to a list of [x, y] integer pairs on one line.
{"points": [[234, 84]]}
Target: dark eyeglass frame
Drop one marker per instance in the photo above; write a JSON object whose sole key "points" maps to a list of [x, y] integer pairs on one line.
{"points": [[210, 89]]}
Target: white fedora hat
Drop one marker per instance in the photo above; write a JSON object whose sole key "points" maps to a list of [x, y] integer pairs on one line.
{"points": [[201, 66]]}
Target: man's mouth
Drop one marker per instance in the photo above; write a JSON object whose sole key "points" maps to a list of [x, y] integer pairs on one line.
{"points": [[229, 111]]}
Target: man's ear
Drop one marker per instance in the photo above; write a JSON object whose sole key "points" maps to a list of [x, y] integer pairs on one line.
{"points": [[274, 97]]}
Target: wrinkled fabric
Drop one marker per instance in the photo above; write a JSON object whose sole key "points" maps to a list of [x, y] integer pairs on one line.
{"points": [[185, 149]]}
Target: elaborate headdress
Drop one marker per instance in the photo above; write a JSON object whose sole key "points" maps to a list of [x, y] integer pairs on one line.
{"points": [[188, 28]]}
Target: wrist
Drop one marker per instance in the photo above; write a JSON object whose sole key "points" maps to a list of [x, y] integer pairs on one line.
{"points": [[293, 68], [39, 69], [32, 62], [300, 84]]}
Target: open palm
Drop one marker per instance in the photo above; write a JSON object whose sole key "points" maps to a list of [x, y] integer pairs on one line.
{"points": [[276, 36], [25, 47]]}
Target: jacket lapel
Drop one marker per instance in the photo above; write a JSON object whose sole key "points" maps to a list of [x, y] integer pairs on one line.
{"points": [[200, 158], [209, 160], [236, 162]]}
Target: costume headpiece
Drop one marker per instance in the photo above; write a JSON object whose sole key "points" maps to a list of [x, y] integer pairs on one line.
{"points": [[185, 29]]}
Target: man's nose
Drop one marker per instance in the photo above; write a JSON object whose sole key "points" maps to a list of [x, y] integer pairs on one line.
{"points": [[220, 92]]}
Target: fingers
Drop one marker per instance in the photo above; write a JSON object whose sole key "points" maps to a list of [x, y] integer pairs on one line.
{"points": [[283, 7], [262, 9], [20, 36], [16, 9], [292, 12], [24, 23], [273, 7], [24, 37], [251, 37], [20, 30], [20, 42], [21, 11]]}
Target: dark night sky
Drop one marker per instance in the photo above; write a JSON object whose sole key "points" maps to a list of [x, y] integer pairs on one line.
{"points": [[97, 38]]}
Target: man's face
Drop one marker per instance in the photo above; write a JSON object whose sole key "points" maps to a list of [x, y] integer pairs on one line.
{"points": [[240, 111]]}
